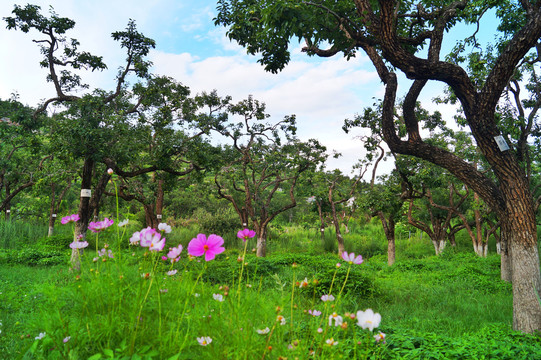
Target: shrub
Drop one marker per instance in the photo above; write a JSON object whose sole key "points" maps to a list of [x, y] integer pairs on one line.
{"points": [[35, 256], [221, 222]]}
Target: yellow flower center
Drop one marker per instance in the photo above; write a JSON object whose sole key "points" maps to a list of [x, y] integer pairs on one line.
{"points": [[205, 247]]}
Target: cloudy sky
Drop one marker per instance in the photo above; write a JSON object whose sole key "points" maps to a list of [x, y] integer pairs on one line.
{"points": [[321, 92]]}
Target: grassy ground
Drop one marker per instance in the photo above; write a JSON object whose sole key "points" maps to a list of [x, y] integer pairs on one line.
{"points": [[448, 307]]}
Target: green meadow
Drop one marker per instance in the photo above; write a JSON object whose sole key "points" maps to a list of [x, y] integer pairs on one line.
{"points": [[134, 305]]}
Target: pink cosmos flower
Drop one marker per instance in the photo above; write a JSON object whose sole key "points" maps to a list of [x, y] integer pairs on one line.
{"points": [[157, 243], [70, 218], [245, 234], [98, 226], [107, 252], [174, 252], [210, 247], [380, 337], [135, 238], [314, 312], [78, 244], [148, 235], [351, 259]]}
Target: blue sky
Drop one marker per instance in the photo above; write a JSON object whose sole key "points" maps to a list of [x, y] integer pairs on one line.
{"points": [[321, 92]]}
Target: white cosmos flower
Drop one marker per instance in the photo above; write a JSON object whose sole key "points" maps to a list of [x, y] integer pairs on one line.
{"points": [[331, 342], [368, 319], [123, 223], [218, 297], [164, 227], [204, 340], [263, 331], [327, 298], [337, 319]]}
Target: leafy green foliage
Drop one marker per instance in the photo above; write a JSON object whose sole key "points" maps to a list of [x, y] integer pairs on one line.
{"points": [[490, 342], [223, 221], [34, 256]]}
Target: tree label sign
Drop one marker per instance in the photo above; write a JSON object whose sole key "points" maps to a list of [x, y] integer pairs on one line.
{"points": [[8, 211], [501, 143], [86, 193], [53, 215], [159, 216]]}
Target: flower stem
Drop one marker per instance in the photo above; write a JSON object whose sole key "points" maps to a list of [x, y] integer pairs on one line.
{"points": [[241, 271]]}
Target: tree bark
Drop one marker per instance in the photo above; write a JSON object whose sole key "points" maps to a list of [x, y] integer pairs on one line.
{"points": [[336, 223], [518, 231], [389, 230], [150, 217], [261, 233], [84, 212], [52, 215], [159, 201], [322, 221]]}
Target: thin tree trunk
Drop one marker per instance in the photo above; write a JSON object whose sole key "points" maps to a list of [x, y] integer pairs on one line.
{"points": [[336, 223], [261, 232], [51, 211], [150, 217], [84, 213], [505, 263], [159, 201], [480, 246], [322, 221], [389, 230]]}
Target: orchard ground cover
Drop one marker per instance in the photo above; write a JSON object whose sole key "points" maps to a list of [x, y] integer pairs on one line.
{"points": [[130, 303]]}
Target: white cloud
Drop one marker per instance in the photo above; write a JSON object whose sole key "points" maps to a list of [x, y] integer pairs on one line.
{"points": [[321, 92]]}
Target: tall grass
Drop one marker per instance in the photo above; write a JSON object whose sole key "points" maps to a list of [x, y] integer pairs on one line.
{"points": [[17, 234]]}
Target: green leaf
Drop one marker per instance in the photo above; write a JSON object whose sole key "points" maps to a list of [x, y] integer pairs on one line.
{"points": [[110, 353]]}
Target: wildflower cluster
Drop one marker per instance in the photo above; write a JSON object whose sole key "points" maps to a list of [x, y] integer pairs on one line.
{"points": [[329, 326], [99, 226]]}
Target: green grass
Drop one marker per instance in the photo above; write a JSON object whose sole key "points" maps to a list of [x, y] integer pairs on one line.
{"points": [[17, 234], [431, 307]]}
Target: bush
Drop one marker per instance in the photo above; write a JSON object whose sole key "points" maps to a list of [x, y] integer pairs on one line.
{"points": [[35, 256], [56, 241], [221, 222]]}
